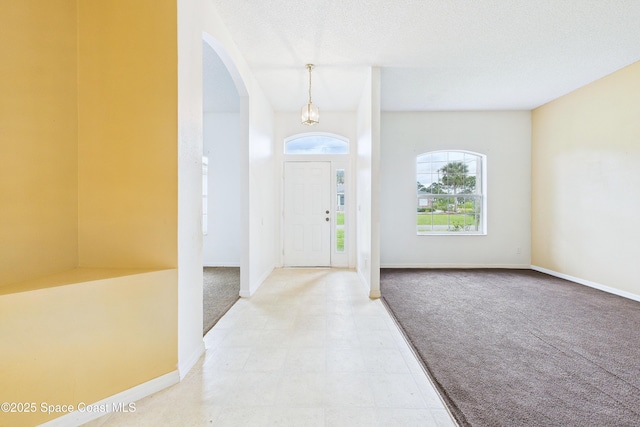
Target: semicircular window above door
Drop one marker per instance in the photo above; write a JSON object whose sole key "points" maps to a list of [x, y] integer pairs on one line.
{"points": [[316, 143]]}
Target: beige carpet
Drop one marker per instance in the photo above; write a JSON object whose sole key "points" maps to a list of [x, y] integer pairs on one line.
{"points": [[221, 289]]}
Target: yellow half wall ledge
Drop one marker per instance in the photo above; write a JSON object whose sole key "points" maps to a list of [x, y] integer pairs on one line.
{"points": [[83, 342], [71, 277]]}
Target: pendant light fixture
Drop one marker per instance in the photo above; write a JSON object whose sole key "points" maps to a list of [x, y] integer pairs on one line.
{"points": [[310, 114]]}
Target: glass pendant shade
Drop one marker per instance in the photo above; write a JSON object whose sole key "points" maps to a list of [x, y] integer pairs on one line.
{"points": [[310, 115]]}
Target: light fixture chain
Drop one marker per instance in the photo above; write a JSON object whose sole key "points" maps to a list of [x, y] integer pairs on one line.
{"points": [[310, 67]]}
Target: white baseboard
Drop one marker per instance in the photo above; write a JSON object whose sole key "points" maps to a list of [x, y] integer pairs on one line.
{"points": [[512, 266], [221, 264], [185, 367], [365, 283], [588, 283], [120, 400], [259, 283]]}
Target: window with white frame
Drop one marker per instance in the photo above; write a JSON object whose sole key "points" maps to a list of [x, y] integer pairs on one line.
{"points": [[450, 193]]}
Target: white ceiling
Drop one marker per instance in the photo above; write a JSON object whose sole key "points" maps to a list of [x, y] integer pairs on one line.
{"points": [[433, 54]]}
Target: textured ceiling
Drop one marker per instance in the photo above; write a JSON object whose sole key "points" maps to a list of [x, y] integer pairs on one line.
{"points": [[433, 54]]}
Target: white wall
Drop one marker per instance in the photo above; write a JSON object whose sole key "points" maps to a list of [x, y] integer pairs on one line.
{"points": [[257, 201], [505, 138], [368, 185], [221, 140], [337, 122], [190, 344], [198, 20], [262, 200]]}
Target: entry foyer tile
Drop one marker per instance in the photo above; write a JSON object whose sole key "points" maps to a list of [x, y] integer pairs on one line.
{"points": [[309, 348]]}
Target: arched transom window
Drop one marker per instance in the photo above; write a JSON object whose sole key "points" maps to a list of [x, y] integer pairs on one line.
{"points": [[316, 143], [450, 193]]}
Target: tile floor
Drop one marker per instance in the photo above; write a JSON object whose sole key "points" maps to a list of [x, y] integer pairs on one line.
{"points": [[308, 349]]}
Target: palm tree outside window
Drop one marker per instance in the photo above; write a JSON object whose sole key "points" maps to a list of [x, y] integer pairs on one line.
{"points": [[450, 193]]}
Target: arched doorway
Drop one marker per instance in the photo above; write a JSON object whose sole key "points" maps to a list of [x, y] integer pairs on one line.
{"points": [[224, 182]]}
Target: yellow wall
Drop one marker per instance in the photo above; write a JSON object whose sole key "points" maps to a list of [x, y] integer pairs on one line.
{"points": [[85, 341], [586, 181], [88, 178], [127, 150], [38, 139], [88, 120]]}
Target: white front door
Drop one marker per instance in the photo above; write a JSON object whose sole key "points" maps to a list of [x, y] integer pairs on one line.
{"points": [[307, 216]]}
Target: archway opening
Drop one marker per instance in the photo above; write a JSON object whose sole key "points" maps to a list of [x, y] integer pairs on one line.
{"points": [[223, 228]]}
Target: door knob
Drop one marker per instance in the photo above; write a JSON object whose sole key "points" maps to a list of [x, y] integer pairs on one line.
{"points": [[326, 219], [326, 212]]}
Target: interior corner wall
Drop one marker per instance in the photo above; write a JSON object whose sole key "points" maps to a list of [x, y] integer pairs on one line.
{"points": [[263, 204], [38, 142], [221, 141], [376, 202], [95, 89], [368, 185], [585, 163], [505, 138], [190, 95], [127, 191], [127, 98]]}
